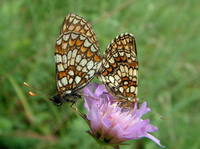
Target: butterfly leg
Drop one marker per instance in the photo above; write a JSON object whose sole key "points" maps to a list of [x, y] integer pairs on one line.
{"points": [[75, 109]]}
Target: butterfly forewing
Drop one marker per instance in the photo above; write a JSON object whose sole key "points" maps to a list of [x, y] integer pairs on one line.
{"points": [[120, 67], [76, 55], [77, 24]]}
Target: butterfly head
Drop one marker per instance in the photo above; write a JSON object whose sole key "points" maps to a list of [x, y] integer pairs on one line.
{"points": [[57, 100]]}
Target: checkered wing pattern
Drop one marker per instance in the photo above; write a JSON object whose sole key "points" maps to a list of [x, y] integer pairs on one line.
{"points": [[76, 55], [78, 24], [120, 67]]}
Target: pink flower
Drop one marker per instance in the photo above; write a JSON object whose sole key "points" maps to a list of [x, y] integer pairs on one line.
{"points": [[111, 124]]}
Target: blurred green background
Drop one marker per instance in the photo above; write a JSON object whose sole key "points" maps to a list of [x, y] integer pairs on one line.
{"points": [[168, 41]]}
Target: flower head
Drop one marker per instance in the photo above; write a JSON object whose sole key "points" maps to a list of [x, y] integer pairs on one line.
{"points": [[110, 123]]}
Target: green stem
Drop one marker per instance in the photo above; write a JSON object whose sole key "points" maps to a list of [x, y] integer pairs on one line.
{"points": [[139, 144]]}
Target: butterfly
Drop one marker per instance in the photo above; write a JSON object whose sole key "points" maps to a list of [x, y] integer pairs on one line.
{"points": [[119, 70], [76, 57]]}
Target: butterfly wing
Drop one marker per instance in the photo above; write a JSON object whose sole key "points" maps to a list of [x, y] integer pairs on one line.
{"points": [[120, 67], [76, 55], [75, 23]]}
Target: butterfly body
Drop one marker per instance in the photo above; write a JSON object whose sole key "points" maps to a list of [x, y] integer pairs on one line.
{"points": [[59, 100]]}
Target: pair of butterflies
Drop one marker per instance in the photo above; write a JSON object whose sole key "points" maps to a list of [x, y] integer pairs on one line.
{"points": [[78, 61]]}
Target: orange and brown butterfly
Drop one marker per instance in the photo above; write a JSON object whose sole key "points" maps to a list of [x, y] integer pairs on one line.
{"points": [[77, 58], [120, 68]]}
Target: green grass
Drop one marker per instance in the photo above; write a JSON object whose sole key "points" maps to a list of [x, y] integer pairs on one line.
{"points": [[168, 41]]}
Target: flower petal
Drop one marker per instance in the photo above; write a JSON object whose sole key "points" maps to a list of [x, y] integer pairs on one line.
{"points": [[142, 110], [100, 90], [157, 141], [94, 117]]}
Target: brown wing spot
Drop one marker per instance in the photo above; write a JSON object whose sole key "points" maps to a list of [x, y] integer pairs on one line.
{"points": [[59, 50], [82, 31], [83, 49], [118, 42], [97, 58], [114, 65], [89, 53], [80, 73], [110, 69], [73, 85], [119, 47], [114, 46], [77, 29], [125, 79], [94, 39], [62, 88], [125, 87], [105, 73], [117, 59], [129, 94], [88, 33], [71, 68], [124, 42], [61, 74], [79, 42], [69, 86], [71, 42], [71, 27], [133, 64], [133, 83], [123, 58], [126, 47], [83, 81]]}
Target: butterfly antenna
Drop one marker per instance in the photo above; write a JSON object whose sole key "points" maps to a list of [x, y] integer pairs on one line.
{"points": [[35, 92]]}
